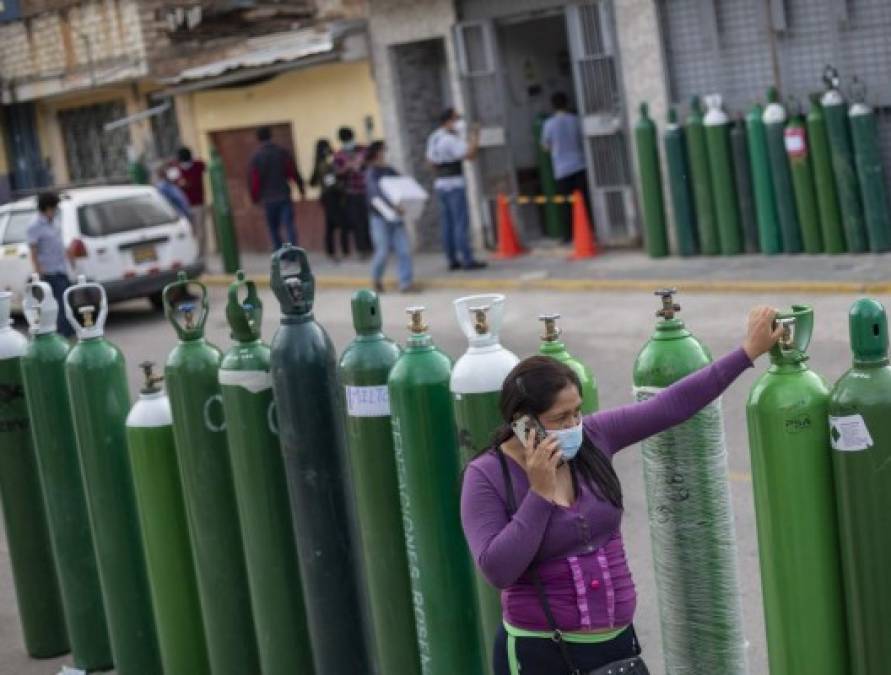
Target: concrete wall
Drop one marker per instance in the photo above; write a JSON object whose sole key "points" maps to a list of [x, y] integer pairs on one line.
{"points": [[394, 22], [644, 74], [316, 101]]}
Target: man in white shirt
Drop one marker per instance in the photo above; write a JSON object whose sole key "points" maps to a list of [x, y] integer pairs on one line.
{"points": [[446, 150], [562, 137]]}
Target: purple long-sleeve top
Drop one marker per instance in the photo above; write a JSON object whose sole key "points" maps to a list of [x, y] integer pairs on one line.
{"points": [[577, 550]]}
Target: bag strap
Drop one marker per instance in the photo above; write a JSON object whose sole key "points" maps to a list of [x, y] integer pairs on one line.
{"points": [[556, 633]]}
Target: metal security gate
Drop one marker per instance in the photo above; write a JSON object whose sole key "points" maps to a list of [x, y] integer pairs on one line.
{"points": [[594, 54], [741, 47], [91, 153], [481, 74]]}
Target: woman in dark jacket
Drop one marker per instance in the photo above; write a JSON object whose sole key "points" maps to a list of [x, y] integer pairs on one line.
{"points": [[325, 178]]}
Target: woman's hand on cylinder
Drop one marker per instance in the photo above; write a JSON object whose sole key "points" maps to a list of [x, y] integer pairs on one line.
{"points": [[762, 333], [541, 464]]}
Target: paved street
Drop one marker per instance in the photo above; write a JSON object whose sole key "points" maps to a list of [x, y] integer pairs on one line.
{"points": [[606, 329]]}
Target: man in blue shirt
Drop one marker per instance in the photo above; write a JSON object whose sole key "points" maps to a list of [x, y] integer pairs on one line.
{"points": [[48, 253], [562, 137], [446, 151]]}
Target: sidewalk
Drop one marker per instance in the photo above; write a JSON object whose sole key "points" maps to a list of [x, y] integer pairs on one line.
{"points": [[550, 269]]}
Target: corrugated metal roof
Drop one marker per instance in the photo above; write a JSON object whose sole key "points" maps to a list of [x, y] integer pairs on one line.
{"points": [[265, 51]]}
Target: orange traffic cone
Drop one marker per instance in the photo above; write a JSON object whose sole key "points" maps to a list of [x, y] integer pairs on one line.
{"points": [[508, 244], [583, 242]]}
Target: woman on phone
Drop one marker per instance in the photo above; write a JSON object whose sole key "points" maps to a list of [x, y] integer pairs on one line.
{"points": [[542, 511]]}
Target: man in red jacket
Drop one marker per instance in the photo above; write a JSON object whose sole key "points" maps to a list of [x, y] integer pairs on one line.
{"points": [[271, 167], [191, 182]]}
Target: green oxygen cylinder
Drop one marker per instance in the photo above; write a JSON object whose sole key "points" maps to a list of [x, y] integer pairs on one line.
{"points": [[428, 466], [679, 183], [697, 153], [52, 428], [165, 535], [870, 171], [227, 238], [554, 224], [100, 401], [795, 509], [860, 433], [765, 201], [476, 391], [798, 152], [690, 512], [364, 368], [199, 427], [645, 138], [774, 127], [720, 163], [843, 167], [742, 175], [27, 531], [261, 489], [311, 424], [551, 345], [824, 181]]}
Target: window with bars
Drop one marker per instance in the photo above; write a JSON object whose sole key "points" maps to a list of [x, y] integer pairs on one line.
{"points": [[91, 153]]}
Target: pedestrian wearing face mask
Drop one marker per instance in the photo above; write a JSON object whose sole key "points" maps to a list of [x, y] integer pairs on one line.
{"points": [[542, 513], [447, 148], [349, 166]]}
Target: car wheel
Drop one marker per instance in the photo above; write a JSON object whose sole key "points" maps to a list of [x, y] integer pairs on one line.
{"points": [[157, 300]]}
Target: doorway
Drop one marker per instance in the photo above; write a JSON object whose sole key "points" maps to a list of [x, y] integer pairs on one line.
{"points": [[536, 65], [236, 147], [423, 88], [510, 66]]}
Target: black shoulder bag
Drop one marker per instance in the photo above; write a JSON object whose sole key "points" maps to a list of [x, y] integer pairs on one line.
{"points": [[631, 666]]}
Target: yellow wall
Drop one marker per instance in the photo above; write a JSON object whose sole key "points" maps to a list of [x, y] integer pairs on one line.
{"points": [[316, 101]]}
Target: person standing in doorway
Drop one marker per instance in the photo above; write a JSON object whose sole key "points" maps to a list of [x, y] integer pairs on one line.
{"points": [[324, 177], [446, 151], [270, 170], [191, 182], [349, 165], [562, 137], [388, 231], [168, 185], [48, 254]]}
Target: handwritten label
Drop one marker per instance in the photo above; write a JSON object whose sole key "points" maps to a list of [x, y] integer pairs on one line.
{"points": [[849, 433], [368, 401]]}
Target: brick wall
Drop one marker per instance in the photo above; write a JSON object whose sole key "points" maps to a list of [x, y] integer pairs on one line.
{"points": [[52, 43]]}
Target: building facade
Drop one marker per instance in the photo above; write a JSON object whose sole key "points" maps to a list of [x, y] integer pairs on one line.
{"points": [[499, 61]]}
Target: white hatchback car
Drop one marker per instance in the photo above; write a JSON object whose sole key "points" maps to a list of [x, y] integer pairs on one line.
{"points": [[128, 238]]}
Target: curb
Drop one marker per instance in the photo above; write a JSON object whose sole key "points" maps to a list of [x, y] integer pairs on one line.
{"points": [[581, 285]]}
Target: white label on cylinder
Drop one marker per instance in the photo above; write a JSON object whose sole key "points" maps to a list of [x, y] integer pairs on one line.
{"points": [[849, 433], [796, 146], [368, 401]]}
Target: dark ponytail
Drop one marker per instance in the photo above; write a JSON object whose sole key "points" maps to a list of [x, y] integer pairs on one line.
{"points": [[530, 389]]}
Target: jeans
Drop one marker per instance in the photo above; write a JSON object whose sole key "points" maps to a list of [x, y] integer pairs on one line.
{"points": [[59, 282], [541, 656], [332, 203], [387, 236], [280, 213], [453, 212], [355, 210]]}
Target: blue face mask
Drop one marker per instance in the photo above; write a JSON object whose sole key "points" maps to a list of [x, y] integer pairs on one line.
{"points": [[570, 440]]}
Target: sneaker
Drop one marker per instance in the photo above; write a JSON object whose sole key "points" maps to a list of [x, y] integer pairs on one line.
{"points": [[476, 265], [378, 287], [411, 288], [454, 265]]}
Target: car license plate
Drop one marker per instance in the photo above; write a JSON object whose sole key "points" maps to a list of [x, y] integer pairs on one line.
{"points": [[145, 254]]}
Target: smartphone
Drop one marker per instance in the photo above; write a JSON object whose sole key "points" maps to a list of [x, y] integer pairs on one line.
{"points": [[522, 426]]}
